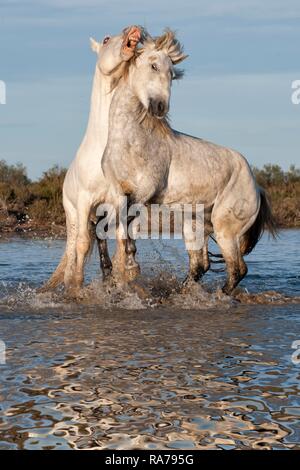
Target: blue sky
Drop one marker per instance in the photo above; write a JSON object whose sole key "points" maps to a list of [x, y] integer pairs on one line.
{"points": [[244, 55]]}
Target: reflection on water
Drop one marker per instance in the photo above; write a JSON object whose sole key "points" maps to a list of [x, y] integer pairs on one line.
{"points": [[150, 367], [150, 379]]}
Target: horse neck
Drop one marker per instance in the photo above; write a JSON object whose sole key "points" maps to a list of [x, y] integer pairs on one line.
{"points": [[101, 97], [124, 97], [125, 106]]}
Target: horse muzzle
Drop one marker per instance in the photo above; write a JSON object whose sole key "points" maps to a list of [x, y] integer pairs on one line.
{"points": [[157, 108]]}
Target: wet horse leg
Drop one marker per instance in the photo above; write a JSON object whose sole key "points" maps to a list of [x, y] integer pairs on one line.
{"points": [[124, 266], [132, 267], [235, 264], [83, 242], [105, 261], [199, 262]]}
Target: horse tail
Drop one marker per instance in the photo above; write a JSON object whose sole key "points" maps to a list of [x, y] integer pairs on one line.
{"points": [[57, 277], [265, 220]]}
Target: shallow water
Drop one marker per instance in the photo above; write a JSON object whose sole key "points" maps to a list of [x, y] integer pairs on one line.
{"points": [[150, 366]]}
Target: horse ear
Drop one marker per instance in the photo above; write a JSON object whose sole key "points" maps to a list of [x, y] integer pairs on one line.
{"points": [[95, 46]]}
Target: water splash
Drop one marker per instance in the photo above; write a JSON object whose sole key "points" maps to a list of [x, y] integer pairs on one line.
{"points": [[164, 289]]}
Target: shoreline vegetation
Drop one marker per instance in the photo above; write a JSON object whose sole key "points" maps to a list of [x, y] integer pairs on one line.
{"points": [[34, 208]]}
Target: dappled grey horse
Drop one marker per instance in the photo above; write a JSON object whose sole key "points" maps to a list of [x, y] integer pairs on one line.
{"points": [[148, 161]]}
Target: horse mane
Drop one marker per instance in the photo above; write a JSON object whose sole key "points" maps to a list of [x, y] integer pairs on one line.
{"points": [[123, 70], [168, 42]]}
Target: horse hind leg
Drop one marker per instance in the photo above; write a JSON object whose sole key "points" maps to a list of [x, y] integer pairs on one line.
{"points": [[83, 246], [105, 261], [80, 244], [235, 264], [70, 250], [58, 277]]}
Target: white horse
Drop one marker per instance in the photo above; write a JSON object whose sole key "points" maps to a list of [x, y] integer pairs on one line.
{"points": [[148, 161], [85, 185]]}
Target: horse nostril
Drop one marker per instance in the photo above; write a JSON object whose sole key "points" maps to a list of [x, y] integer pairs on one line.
{"points": [[151, 107], [160, 108]]}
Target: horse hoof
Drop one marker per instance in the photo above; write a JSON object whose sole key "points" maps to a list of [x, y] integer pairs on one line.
{"points": [[227, 290], [141, 291], [107, 275], [73, 293], [132, 272], [189, 281]]}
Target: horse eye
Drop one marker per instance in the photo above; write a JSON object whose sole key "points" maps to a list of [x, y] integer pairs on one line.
{"points": [[154, 67], [106, 39]]}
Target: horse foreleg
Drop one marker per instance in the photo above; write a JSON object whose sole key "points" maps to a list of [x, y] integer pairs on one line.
{"points": [[105, 261], [124, 265], [132, 267], [199, 262], [126, 248], [119, 257]]}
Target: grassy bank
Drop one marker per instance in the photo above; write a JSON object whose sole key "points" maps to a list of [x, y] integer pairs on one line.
{"points": [[31, 206], [36, 206], [283, 188]]}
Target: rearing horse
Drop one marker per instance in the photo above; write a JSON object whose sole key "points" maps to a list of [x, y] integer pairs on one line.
{"points": [[85, 185], [148, 161]]}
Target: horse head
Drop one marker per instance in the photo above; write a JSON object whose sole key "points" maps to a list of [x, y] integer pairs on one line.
{"points": [[153, 71], [113, 51]]}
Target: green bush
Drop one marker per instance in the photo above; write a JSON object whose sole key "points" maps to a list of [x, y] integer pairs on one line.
{"points": [[15, 175], [40, 200], [283, 188], [49, 190], [38, 211]]}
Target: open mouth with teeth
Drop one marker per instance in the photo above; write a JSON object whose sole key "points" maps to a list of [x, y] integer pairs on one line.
{"points": [[131, 39]]}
